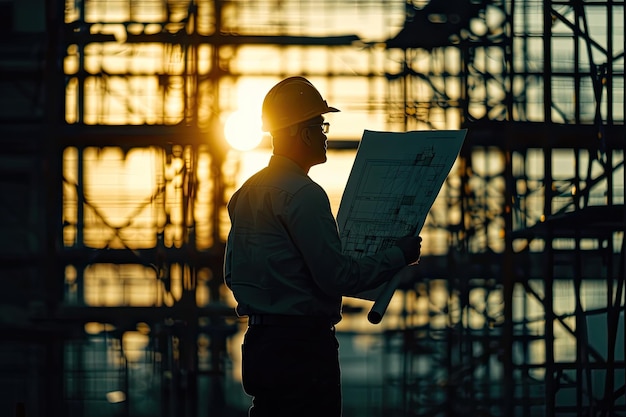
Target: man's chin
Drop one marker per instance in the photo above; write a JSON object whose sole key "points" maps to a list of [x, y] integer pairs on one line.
{"points": [[321, 161]]}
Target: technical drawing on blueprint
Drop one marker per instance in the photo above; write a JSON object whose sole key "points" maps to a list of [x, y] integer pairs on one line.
{"points": [[394, 181]]}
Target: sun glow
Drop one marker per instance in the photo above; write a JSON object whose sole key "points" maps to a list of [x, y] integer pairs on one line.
{"points": [[243, 129]]}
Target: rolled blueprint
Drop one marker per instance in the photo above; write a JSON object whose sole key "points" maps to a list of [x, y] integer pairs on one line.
{"points": [[381, 303]]}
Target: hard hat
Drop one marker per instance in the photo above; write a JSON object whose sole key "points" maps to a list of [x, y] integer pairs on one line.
{"points": [[291, 101]]}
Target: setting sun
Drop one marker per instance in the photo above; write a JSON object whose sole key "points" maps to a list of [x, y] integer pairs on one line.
{"points": [[243, 129]]}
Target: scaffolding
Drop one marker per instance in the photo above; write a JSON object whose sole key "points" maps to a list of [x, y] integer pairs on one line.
{"points": [[116, 171]]}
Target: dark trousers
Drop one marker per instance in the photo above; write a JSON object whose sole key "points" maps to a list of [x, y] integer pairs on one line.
{"points": [[292, 371]]}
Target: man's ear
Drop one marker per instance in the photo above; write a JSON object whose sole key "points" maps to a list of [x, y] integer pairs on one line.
{"points": [[305, 136]]}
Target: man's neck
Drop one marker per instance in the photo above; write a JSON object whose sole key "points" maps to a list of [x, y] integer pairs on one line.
{"points": [[296, 159]]}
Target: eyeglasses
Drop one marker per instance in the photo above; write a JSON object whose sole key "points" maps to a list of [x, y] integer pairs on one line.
{"points": [[325, 127]]}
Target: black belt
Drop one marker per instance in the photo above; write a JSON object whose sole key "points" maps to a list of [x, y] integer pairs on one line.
{"points": [[289, 321]]}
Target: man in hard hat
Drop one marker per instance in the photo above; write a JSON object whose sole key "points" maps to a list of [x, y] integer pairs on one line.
{"points": [[285, 266]]}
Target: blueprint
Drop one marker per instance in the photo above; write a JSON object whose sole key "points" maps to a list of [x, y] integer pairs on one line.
{"points": [[393, 183]]}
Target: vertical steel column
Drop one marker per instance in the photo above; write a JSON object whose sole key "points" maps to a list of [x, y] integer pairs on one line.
{"points": [[548, 276], [547, 62], [53, 271], [550, 383], [508, 285]]}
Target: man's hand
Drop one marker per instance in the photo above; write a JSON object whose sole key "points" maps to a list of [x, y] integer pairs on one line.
{"points": [[411, 247]]}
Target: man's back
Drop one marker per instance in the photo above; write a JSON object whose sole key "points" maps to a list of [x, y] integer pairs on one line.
{"points": [[267, 269]]}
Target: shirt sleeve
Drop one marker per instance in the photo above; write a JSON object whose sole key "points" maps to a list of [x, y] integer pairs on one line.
{"points": [[228, 254], [314, 231]]}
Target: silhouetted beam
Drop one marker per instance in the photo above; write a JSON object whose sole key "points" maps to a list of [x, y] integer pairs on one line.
{"points": [[130, 136], [524, 135], [236, 39], [137, 314], [588, 222]]}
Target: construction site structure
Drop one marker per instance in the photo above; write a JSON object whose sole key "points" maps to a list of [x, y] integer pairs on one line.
{"points": [[115, 172]]}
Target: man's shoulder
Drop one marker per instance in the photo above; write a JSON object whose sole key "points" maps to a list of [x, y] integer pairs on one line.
{"points": [[293, 183], [279, 180]]}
